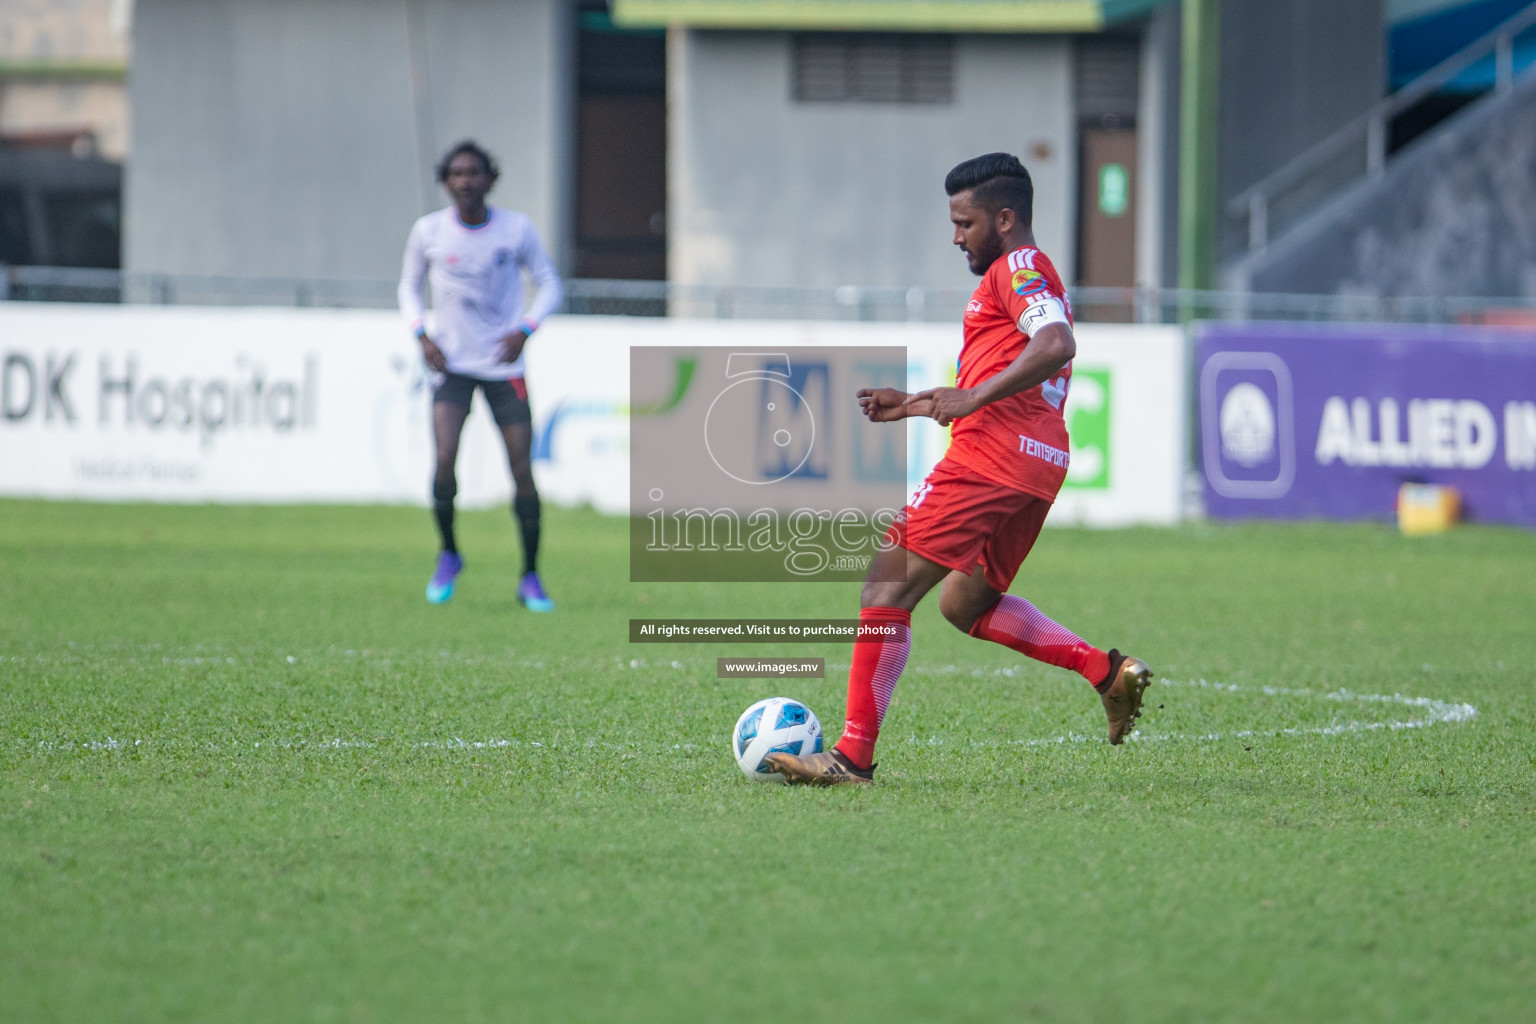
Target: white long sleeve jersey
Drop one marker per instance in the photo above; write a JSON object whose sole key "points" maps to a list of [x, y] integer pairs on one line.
{"points": [[476, 275]]}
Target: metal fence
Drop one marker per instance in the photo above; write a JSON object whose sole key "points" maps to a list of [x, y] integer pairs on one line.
{"points": [[663, 298]]}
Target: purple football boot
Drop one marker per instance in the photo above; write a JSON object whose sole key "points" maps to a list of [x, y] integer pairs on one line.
{"points": [[440, 586], [530, 594]]}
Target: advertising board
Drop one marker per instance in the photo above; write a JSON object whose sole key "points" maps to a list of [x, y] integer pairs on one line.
{"points": [[185, 404], [1328, 421]]}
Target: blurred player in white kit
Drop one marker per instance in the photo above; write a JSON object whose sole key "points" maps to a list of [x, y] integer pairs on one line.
{"points": [[474, 256]]}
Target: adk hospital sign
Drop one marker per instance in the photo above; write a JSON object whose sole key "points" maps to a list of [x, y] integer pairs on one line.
{"points": [[1327, 421]]}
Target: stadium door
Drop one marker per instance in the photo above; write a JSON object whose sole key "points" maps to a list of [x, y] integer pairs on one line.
{"points": [[1107, 91], [621, 146], [1107, 210]]}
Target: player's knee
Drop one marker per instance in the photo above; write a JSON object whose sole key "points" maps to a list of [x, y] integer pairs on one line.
{"points": [[963, 604], [888, 594], [960, 613], [444, 488]]}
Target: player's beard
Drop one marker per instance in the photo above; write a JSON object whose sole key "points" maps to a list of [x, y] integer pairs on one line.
{"points": [[986, 253]]}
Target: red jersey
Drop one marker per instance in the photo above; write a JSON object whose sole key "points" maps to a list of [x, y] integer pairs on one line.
{"points": [[1019, 441]]}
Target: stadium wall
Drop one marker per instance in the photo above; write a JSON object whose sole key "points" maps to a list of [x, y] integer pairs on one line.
{"points": [[766, 190], [185, 404], [294, 138]]}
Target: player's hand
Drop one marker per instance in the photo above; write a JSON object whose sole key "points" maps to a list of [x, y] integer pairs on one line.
{"points": [[945, 405], [882, 405], [512, 346], [432, 354]]}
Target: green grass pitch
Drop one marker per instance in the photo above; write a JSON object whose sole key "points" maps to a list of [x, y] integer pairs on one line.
{"points": [[247, 773]]}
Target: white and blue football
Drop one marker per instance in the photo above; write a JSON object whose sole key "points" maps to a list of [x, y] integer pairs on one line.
{"points": [[775, 725]]}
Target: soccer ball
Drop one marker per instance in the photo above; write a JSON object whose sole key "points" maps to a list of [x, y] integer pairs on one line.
{"points": [[777, 725]]}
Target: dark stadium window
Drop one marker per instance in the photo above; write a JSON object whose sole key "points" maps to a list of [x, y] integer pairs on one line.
{"points": [[85, 228], [867, 67], [621, 149], [14, 246]]}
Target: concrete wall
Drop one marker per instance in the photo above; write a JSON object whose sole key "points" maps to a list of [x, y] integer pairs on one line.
{"points": [[768, 191], [1453, 215], [296, 137], [1157, 139]]}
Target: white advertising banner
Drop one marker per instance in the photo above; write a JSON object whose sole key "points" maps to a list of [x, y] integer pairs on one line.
{"points": [[225, 405], [1125, 413], [144, 403], [1126, 417]]}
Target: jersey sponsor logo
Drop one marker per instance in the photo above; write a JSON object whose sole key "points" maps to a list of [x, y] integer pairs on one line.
{"points": [[974, 306], [1040, 450], [1029, 282], [917, 497]]}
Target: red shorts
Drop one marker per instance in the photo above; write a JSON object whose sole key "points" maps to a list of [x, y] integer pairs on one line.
{"points": [[960, 519]]}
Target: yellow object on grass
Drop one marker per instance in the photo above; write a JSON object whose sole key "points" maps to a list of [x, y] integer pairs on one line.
{"points": [[1427, 508]]}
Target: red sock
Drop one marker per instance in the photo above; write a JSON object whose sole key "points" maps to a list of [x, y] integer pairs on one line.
{"points": [[879, 655], [1014, 622]]}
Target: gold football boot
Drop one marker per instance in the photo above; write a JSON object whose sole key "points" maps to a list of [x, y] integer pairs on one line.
{"points": [[821, 769], [1128, 678]]}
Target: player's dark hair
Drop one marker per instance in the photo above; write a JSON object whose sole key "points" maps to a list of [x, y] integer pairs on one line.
{"points": [[996, 181], [466, 146]]}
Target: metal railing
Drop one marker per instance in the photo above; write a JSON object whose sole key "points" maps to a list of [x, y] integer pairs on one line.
{"points": [[721, 302], [1358, 150]]}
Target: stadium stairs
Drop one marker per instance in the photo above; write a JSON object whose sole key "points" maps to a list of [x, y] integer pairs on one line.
{"points": [[1451, 213]]}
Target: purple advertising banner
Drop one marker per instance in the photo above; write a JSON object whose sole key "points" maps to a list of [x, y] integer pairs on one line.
{"points": [[1328, 420]]}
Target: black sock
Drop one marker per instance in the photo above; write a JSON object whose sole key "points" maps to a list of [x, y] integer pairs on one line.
{"points": [[442, 509], [1115, 661], [526, 508]]}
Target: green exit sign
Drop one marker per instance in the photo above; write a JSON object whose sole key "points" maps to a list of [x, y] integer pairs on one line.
{"points": [[1114, 190]]}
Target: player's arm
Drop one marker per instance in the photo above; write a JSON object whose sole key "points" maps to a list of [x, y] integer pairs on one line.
{"points": [[413, 271], [885, 405], [1049, 347], [549, 293], [1047, 352]]}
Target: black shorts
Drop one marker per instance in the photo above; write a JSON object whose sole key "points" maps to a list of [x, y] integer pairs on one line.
{"points": [[507, 398]]}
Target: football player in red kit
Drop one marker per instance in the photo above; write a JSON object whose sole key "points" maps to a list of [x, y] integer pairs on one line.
{"points": [[975, 518]]}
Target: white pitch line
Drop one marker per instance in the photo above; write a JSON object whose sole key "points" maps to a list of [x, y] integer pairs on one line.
{"points": [[456, 743], [1435, 712]]}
